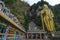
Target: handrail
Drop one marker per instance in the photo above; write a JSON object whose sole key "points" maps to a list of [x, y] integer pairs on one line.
{"points": [[38, 31], [11, 22]]}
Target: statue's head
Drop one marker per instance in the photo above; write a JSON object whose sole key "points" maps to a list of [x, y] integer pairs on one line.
{"points": [[45, 6]]}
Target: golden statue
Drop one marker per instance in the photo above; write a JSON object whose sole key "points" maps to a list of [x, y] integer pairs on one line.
{"points": [[47, 18]]}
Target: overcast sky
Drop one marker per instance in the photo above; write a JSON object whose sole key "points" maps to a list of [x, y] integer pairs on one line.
{"points": [[51, 2]]}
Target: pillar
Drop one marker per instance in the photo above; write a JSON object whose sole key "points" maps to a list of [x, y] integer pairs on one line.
{"points": [[27, 35], [36, 36], [40, 36], [14, 34], [31, 36]]}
